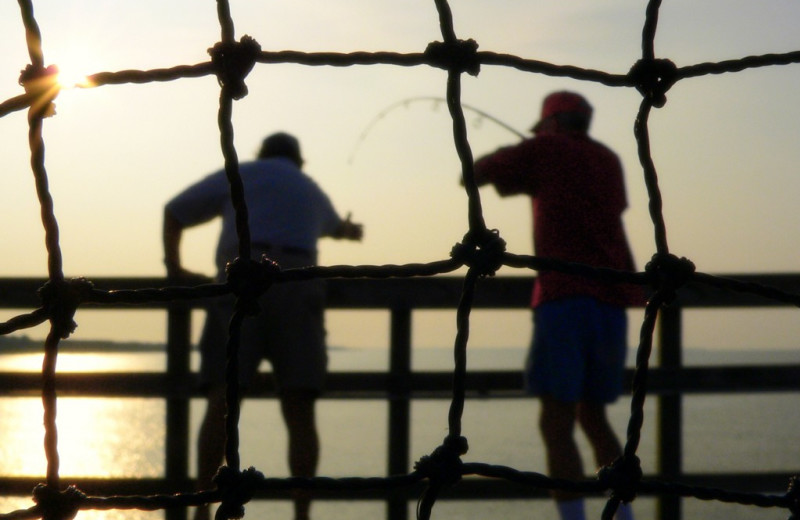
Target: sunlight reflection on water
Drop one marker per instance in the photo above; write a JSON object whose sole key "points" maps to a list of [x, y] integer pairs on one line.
{"points": [[95, 437], [125, 437]]}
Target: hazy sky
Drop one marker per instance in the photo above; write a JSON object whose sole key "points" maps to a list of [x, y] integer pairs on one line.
{"points": [[725, 146]]}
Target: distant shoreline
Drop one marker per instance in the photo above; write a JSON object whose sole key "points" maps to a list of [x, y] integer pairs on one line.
{"points": [[692, 355], [24, 344]]}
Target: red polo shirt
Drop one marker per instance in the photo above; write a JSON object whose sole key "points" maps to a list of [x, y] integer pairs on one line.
{"points": [[578, 196]]}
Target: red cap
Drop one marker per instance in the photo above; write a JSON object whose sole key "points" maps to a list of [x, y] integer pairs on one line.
{"points": [[563, 101]]}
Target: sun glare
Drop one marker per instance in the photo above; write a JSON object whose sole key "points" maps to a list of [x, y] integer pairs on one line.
{"points": [[74, 69], [71, 79]]}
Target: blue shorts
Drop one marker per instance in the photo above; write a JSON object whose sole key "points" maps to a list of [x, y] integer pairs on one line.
{"points": [[578, 351]]}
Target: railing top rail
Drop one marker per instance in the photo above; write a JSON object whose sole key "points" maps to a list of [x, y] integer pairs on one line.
{"points": [[420, 293]]}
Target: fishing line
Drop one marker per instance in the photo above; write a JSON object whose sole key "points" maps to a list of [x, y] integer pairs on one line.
{"points": [[437, 101]]}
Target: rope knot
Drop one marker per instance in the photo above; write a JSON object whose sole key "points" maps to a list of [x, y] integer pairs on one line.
{"points": [[61, 298], [483, 253], [233, 61], [58, 505], [458, 56], [622, 477], [248, 280], [443, 466], [793, 494], [237, 489], [41, 82], [653, 78], [669, 273]]}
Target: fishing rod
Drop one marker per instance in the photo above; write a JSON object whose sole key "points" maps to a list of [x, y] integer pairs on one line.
{"points": [[408, 101]]}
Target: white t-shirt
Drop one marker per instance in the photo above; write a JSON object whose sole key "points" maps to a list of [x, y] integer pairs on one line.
{"points": [[286, 208]]}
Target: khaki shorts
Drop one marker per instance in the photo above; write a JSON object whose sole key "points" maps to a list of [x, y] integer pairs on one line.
{"points": [[289, 332]]}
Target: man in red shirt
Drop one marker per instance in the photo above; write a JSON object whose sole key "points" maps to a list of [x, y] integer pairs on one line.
{"points": [[577, 356]]}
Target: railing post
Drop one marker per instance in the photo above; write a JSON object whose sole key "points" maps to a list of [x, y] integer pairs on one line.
{"points": [[399, 407], [177, 427], [669, 415]]}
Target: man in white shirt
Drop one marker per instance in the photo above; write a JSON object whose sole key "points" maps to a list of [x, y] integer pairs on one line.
{"points": [[287, 214]]}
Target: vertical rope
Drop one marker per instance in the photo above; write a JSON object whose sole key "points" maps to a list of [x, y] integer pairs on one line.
{"points": [[446, 21], [225, 122], [38, 110], [50, 402], [650, 176], [460, 353], [476, 222], [649, 29], [629, 462], [225, 21], [36, 114], [32, 34], [640, 376], [232, 391], [36, 143], [232, 172], [642, 135]]}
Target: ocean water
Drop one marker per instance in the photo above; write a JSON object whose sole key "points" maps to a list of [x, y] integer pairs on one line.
{"points": [[121, 437]]}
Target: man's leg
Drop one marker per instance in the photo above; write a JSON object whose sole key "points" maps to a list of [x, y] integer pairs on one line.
{"points": [[557, 424], [297, 407], [594, 422], [210, 443]]}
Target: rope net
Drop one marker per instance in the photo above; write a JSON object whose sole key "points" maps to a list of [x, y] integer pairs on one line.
{"points": [[482, 251]]}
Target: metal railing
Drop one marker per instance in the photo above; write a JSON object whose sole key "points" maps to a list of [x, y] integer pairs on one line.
{"points": [[668, 382]]}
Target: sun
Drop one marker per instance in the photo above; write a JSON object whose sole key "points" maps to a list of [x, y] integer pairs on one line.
{"points": [[69, 78], [74, 69]]}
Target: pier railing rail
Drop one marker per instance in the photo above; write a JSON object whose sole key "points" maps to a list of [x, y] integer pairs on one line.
{"points": [[669, 381]]}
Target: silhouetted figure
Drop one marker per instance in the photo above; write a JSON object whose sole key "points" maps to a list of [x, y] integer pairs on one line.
{"points": [[288, 212], [577, 355]]}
